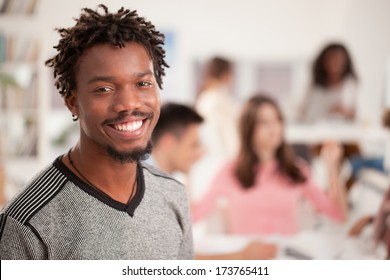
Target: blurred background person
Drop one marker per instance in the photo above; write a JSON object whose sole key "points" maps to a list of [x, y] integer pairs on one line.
{"points": [[177, 146], [378, 163], [334, 88], [332, 98], [264, 185], [382, 224], [217, 106], [380, 231], [377, 225], [176, 140]]}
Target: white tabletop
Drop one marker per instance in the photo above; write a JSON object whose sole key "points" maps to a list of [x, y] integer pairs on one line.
{"points": [[338, 131], [330, 241], [305, 245]]}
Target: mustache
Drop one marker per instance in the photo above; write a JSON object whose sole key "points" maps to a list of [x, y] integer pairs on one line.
{"points": [[122, 115]]}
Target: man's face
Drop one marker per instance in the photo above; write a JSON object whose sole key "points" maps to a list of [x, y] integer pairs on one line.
{"points": [[116, 98], [187, 149]]}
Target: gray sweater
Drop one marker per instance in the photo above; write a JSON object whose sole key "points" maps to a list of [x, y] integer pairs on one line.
{"points": [[59, 216]]}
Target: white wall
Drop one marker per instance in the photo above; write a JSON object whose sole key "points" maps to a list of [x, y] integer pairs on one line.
{"points": [[256, 29]]}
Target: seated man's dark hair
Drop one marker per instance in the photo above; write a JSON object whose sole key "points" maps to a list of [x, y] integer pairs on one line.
{"points": [[175, 118]]}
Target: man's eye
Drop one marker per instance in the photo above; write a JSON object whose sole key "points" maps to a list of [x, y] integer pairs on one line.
{"points": [[144, 84], [103, 90]]}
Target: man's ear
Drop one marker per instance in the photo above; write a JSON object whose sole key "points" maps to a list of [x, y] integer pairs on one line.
{"points": [[72, 104]]}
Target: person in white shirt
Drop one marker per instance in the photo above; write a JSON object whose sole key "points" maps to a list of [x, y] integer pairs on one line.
{"points": [[334, 88], [217, 106], [332, 97]]}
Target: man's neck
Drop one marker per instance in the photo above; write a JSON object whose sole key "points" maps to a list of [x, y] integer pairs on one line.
{"points": [[103, 172]]}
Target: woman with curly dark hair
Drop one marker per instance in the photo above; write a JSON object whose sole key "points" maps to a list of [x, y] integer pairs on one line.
{"points": [[332, 97], [334, 87]]}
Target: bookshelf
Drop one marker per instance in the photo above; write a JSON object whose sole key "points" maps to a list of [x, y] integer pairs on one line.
{"points": [[18, 7], [24, 94], [20, 104], [23, 83]]}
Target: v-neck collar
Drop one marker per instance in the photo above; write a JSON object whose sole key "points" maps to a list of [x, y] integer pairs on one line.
{"points": [[128, 207]]}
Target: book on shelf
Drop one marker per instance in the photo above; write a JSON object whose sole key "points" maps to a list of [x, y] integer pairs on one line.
{"points": [[28, 144], [16, 7], [18, 72], [19, 104], [31, 95], [3, 48], [18, 100], [18, 48]]}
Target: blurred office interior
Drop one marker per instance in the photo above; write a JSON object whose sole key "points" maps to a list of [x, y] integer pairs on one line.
{"points": [[272, 45]]}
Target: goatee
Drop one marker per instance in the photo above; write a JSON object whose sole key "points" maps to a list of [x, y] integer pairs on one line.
{"points": [[136, 155]]}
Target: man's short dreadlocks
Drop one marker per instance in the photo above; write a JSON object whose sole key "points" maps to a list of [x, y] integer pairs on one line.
{"points": [[93, 28]]}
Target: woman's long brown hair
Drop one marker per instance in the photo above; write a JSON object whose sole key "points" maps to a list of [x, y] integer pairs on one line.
{"points": [[247, 158]]}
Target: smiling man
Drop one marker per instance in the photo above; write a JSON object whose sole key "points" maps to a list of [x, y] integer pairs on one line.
{"points": [[98, 201]]}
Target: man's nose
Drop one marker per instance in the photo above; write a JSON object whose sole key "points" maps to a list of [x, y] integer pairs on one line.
{"points": [[127, 99]]}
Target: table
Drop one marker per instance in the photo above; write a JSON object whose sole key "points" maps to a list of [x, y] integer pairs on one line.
{"points": [[307, 244], [341, 132]]}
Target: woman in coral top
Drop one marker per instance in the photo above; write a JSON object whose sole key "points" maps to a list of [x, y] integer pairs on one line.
{"points": [[264, 185]]}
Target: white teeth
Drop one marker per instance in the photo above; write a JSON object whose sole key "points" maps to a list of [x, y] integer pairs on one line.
{"points": [[130, 127]]}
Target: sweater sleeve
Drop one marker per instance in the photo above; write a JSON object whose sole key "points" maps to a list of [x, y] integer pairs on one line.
{"points": [[19, 242], [219, 187], [187, 247], [321, 201]]}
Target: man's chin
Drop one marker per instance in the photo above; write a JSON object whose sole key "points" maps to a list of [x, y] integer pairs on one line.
{"points": [[135, 155]]}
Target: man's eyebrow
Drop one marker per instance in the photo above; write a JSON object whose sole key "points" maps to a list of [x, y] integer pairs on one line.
{"points": [[143, 74], [111, 78], [101, 78]]}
